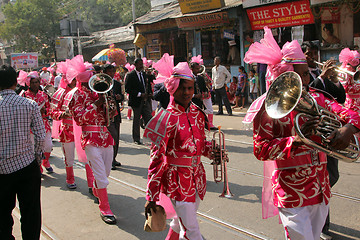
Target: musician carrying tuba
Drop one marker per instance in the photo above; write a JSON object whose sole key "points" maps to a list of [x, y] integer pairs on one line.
{"points": [[296, 183]]}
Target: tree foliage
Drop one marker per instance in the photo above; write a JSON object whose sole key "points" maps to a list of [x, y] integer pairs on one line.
{"points": [[31, 25]]}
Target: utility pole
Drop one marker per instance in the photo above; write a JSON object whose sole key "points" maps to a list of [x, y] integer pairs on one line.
{"points": [[134, 19], [78, 41]]}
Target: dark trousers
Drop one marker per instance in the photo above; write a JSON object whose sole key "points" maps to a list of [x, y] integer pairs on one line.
{"points": [[333, 170], [114, 130], [24, 184], [143, 110], [222, 97]]}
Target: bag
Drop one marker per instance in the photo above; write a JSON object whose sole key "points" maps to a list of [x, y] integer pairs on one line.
{"points": [[156, 222]]}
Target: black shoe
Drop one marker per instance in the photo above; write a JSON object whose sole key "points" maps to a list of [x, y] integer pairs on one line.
{"points": [[91, 191], [219, 113], [116, 163], [213, 128], [108, 219], [113, 167], [138, 142]]}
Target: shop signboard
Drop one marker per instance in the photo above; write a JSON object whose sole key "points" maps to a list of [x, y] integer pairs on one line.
{"points": [[24, 60], [281, 15], [210, 19], [189, 6]]}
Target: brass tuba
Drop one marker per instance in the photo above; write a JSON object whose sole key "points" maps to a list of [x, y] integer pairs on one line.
{"points": [[286, 94], [220, 164], [102, 83]]}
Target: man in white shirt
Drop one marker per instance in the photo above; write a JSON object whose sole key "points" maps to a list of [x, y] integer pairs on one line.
{"points": [[220, 77], [57, 81]]}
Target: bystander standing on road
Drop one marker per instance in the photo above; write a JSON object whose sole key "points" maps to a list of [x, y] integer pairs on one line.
{"points": [[221, 76], [19, 158]]}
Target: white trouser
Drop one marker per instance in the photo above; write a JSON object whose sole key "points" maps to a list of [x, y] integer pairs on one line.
{"points": [[69, 153], [186, 223], [100, 160], [208, 105], [304, 223], [47, 144]]}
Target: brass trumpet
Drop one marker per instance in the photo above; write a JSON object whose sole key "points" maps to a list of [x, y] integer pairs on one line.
{"points": [[286, 94], [354, 75], [220, 164], [102, 83]]}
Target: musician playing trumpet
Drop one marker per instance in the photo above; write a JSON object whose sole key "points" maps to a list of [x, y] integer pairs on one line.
{"points": [[298, 186], [178, 142]]}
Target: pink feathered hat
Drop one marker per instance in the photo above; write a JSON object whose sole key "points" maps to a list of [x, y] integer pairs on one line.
{"points": [[171, 75], [21, 79], [147, 63], [79, 69], [349, 57], [31, 75], [278, 60], [198, 59], [129, 67]]}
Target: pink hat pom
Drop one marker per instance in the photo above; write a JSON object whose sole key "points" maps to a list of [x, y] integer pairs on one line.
{"points": [[129, 67], [147, 63], [198, 59], [75, 66], [22, 78], [349, 57]]}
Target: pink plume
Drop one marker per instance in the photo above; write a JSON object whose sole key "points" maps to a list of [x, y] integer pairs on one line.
{"points": [[129, 67], [22, 78], [75, 66], [165, 67], [349, 57], [198, 59]]}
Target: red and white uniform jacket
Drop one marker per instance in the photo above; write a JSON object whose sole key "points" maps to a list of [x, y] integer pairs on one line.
{"points": [[300, 177], [90, 118], [175, 167], [66, 132], [352, 90], [43, 101]]}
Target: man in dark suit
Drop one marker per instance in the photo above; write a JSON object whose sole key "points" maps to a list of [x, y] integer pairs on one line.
{"points": [[138, 86], [327, 81], [161, 95], [114, 127]]}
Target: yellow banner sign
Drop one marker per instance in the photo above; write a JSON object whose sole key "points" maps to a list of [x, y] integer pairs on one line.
{"points": [[189, 6]]}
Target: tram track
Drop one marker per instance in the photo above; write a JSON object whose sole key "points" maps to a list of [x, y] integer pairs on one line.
{"points": [[334, 194]]}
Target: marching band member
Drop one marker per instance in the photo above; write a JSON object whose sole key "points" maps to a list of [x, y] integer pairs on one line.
{"points": [[350, 59], [87, 108], [177, 145], [34, 93], [299, 179], [203, 88]]}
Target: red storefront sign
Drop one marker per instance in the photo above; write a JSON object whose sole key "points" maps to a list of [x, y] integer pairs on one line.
{"points": [[281, 15]]}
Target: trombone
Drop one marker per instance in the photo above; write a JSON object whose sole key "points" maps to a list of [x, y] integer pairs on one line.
{"points": [[220, 165], [355, 75]]}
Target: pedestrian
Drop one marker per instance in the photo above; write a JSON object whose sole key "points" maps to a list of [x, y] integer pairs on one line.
{"points": [[220, 77], [88, 110], [176, 156], [42, 99], [242, 88], [253, 83], [19, 158], [114, 127], [299, 180], [138, 86]]}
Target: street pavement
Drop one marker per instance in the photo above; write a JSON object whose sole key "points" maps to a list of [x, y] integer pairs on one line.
{"points": [[72, 214]]}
